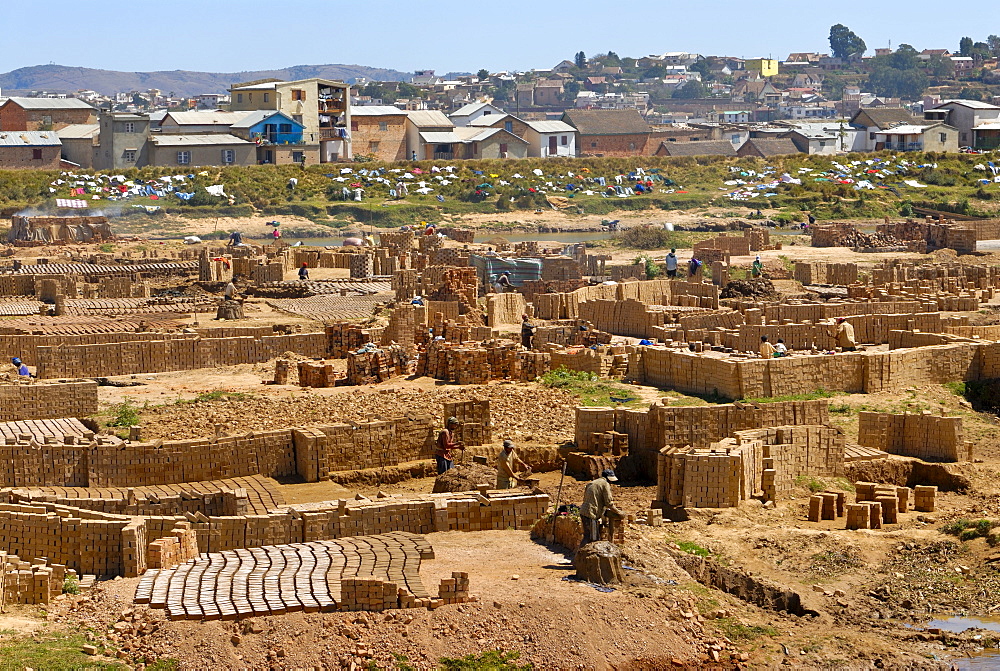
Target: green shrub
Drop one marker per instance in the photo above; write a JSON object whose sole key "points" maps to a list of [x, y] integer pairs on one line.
{"points": [[71, 585], [124, 414], [493, 660]]}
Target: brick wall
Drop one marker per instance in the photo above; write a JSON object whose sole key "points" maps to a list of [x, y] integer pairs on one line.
{"points": [[42, 400], [612, 145], [391, 142], [23, 158]]}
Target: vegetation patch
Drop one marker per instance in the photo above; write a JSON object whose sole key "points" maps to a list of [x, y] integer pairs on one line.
{"points": [[589, 388]]}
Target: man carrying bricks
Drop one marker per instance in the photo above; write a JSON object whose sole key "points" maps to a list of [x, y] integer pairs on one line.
{"points": [[446, 446], [597, 501], [505, 466]]}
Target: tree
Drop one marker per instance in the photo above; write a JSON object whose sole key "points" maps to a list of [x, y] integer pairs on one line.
{"points": [[483, 74], [904, 58], [993, 44], [691, 89], [970, 94], [612, 59], [844, 43], [940, 68], [887, 81], [965, 46], [580, 59], [701, 67]]}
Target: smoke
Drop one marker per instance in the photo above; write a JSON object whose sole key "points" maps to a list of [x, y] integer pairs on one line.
{"points": [[50, 210]]}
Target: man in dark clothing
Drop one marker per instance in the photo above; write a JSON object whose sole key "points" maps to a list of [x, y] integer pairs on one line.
{"points": [[527, 332], [304, 272]]}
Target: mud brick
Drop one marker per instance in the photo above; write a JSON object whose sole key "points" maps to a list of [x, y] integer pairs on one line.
{"points": [[815, 508], [890, 508], [924, 498]]}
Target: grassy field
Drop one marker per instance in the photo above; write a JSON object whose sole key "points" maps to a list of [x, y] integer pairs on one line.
{"points": [[683, 183]]}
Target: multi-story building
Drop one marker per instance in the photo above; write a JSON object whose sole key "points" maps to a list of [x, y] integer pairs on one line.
{"points": [[44, 113], [322, 107], [123, 141]]}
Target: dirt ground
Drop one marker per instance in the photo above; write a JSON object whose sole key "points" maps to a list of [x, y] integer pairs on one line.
{"points": [[875, 593]]}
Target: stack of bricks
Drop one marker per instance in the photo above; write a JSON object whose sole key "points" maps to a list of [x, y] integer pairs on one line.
{"points": [[610, 443], [636, 271], [34, 582], [450, 283], [454, 589], [362, 265], [821, 272], [397, 240], [924, 436], [883, 503], [505, 308], [179, 547], [826, 506], [404, 284], [317, 374], [474, 424], [47, 400], [371, 366], [924, 498], [344, 337]]}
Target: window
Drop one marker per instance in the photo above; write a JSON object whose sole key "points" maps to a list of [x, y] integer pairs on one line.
{"points": [[228, 156], [298, 94], [871, 136], [267, 97], [298, 157], [36, 154], [373, 147], [503, 148], [183, 157], [284, 128], [129, 127], [944, 137], [734, 138], [128, 156], [631, 146], [354, 125], [382, 125], [508, 126], [249, 97], [239, 97], [564, 140], [297, 118], [46, 121]]}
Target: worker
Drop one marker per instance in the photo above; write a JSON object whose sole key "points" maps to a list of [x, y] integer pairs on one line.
{"points": [[276, 234], [446, 446], [693, 266], [757, 267], [766, 348], [527, 332], [304, 272], [505, 466], [597, 501], [230, 291], [235, 239], [20, 368], [369, 240], [417, 300], [672, 263], [844, 333], [780, 349], [504, 282]]}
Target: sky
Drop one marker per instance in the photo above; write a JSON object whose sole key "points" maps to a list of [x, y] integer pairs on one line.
{"points": [[446, 36]]}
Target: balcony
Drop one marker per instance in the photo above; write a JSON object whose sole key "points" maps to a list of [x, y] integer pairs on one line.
{"points": [[276, 138], [904, 146], [333, 133]]}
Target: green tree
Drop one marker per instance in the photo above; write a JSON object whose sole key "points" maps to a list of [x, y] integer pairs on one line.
{"points": [[691, 89], [844, 43], [993, 44], [483, 74], [965, 46], [904, 58], [701, 67], [970, 94], [580, 59], [887, 81], [612, 60], [941, 68]]}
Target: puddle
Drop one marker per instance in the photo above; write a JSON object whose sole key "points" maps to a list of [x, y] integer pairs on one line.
{"points": [[986, 659], [957, 624]]}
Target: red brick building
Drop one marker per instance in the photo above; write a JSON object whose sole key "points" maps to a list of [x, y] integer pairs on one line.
{"points": [[30, 150], [379, 131], [609, 132], [44, 113]]}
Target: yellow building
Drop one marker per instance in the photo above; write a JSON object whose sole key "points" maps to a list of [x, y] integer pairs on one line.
{"points": [[767, 67]]}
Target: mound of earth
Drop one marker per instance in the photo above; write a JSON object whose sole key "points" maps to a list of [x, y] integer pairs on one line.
{"points": [[760, 288], [465, 477]]}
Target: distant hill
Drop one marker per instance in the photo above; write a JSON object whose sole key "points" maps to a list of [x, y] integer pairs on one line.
{"points": [[64, 78]]}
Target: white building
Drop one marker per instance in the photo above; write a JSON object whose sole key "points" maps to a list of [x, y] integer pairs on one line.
{"points": [[550, 138]]}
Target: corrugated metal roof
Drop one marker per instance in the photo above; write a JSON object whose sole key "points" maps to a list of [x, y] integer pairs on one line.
{"points": [[974, 104], [905, 129], [376, 110], [489, 119], [51, 103], [440, 137], [195, 140], [205, 118], [551, 127], [266, 86], [472, 108], [30, 138], [78, 131], [423, 118], [469, 134]]}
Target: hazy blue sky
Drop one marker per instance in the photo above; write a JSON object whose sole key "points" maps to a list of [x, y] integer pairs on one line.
{"points": [[237, 35]]}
